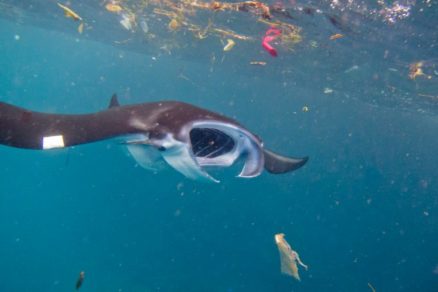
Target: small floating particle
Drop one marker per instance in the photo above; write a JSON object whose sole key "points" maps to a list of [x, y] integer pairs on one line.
{"points": [[371, 287], [429, 96], [68, 12], [81, 27], [288, 257], [113, 7], [144, 26], [80, 280], [17, 37], [230, 44], [336, 36], [174, 25], [328, 90], [258, 63], [305, 109], [351, 69]]}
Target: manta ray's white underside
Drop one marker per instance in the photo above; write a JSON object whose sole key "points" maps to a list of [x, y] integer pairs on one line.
{"points": [[151, 154]]}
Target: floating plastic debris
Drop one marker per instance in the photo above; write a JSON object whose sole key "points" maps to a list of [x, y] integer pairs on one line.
{"points": [[415, 70], [69, 13], [144, 26], [270, 35], [113, 7], [396, 12], [81, 27], [351, 69], [336, 36], [174, 24], [255, 7], [328, 90], [258, 63], [230, 44], [288, 257], [127, 20]]}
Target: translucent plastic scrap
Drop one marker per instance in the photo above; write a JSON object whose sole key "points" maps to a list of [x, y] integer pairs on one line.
{"points": [[288, 257]]}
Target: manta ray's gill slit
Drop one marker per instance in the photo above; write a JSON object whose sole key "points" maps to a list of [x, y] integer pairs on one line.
{"points": [[208, 142], [214, 153], [200, 153]]}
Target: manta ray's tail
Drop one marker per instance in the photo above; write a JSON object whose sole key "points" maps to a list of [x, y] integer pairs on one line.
{"points": [[33, 130], [19, 127]]}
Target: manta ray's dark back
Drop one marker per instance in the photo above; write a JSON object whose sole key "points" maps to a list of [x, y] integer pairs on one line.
{"points": [[164, 125]]}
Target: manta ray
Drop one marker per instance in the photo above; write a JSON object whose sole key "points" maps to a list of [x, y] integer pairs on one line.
{"points": [[188, 138]]}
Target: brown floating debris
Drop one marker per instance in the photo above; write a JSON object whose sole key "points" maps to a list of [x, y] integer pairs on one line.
{"points": [[80, 280], [111, 7], [68, 12], [288, 257], [336, 36], [416, 69], [246, 6], [231, 33], [182, 19], [174, 24]]}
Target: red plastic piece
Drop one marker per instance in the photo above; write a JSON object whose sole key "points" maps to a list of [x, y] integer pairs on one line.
{"points": [[270, 35]]}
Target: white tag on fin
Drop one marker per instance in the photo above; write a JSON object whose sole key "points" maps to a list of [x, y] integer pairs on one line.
{"points": [[51, 142]]}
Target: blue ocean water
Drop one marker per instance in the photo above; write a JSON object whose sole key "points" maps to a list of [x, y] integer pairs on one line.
{"points": [[362, 212]]}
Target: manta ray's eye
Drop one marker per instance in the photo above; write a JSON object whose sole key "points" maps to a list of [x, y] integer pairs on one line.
{"points": [[210, 143]]}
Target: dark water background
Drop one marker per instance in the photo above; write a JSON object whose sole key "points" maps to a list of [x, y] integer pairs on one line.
{"points": [[364, 209]]}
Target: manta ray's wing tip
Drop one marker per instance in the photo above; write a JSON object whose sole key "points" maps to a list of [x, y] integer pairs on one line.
{"points": [[275, 163]]}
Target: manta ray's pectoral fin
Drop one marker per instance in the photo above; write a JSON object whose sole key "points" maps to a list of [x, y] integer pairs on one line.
{"points": [[275, 163], [153, 154], [144, 152], [146, 156], [180, 157]]}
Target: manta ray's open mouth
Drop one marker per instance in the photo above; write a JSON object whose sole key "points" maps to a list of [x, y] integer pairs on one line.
{"points": [[218, 144], [210, 143]]}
